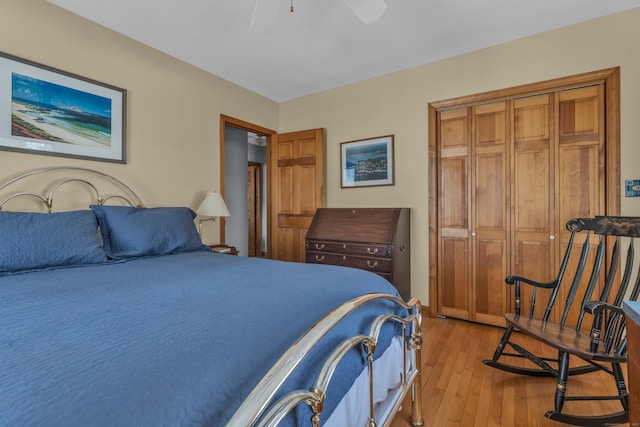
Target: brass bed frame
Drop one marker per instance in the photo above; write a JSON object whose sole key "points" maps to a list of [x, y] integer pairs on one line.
{"points": [[259, 409]]}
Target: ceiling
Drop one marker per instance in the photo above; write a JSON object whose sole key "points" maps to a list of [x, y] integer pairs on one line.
{"points": [[322, 44]]}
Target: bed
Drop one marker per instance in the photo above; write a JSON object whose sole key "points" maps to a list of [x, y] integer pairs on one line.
{"points": [[115, 314]]}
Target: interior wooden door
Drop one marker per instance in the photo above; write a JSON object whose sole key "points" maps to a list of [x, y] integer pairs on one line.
{"points": [[297, 189], [254, 204]]}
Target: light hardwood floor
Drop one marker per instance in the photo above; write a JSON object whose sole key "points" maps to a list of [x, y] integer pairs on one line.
{"points": [[459, 390]]}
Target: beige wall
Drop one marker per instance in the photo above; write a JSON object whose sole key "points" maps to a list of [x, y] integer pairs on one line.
{"points": [[397, 104], [173, 109]]}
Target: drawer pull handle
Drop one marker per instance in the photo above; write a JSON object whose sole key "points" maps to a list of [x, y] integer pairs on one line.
{"points": [[319, 245], [403, 248], [375, 264], [319, 258], [372, 251]]}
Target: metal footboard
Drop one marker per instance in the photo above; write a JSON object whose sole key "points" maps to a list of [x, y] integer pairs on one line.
{"points": [[259, 410]]}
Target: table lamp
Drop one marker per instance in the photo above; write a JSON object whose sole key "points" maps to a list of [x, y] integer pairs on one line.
{"points": [[211, 207]]}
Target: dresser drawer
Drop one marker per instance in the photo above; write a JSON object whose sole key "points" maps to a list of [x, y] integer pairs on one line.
{"points": [[378, 265], [364, 249]]}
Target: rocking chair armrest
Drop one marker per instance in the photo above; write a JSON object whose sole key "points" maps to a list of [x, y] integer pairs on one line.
{"points": [[599, 311], [511, 280], [596, 307]]}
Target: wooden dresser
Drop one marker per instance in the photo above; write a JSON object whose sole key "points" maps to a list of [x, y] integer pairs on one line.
{"points": [[374, 239]]}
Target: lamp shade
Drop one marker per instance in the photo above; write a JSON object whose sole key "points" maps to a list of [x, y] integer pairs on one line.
{"points": [[213, 205]]}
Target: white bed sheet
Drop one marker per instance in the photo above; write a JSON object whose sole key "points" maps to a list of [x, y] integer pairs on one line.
{"points": [[353, 409]]}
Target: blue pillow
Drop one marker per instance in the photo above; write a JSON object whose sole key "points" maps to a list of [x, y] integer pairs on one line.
{"points": [[139, 232], [32, 241]]}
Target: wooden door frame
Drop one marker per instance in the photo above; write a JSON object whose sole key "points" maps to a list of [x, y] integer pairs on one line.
{"points": [[249, 127], [611, 79]]}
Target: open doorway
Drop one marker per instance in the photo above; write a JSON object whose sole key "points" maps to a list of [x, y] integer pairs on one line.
{"points": [[293, 187], [244, 179]]}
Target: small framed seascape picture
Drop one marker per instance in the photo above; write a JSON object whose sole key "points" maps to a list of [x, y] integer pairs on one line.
{"points": [[367, 162], [48, 111]]}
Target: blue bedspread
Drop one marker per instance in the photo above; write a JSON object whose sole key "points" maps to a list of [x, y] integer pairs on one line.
{"points": [[177, 340]]}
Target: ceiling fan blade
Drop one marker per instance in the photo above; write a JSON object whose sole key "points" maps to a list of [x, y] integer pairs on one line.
{"points": [[369, 11], [265, 16]]}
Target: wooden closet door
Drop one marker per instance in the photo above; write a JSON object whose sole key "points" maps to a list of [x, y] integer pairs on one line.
{"points": [[454, 272], [474, 218], [512, 173], [561, 161], [580, 176], [558, 175], [490, 214], [533, 206]]}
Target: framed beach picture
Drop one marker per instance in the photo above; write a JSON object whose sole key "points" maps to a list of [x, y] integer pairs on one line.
{"points": [[367, 162], [47, 111]]}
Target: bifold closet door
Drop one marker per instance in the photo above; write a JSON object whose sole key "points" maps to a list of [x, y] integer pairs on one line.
{"points": [[580, 171], [558, 175], [490, 226], [511, 174], [474, 217], [533, 201], [454, 247]]}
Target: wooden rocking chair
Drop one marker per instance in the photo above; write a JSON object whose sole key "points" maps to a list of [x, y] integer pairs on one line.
{"points": [[599, 286]]}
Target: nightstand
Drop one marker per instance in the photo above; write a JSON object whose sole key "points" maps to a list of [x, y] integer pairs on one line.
{"points": [[224, 249]]}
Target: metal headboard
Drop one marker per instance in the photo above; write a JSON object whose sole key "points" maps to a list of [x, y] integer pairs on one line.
{"points": [[70, 174]]}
